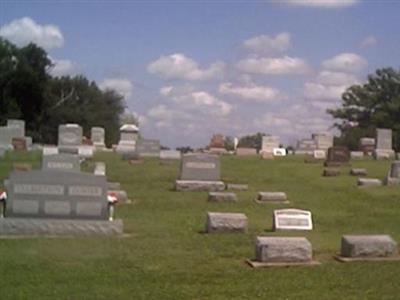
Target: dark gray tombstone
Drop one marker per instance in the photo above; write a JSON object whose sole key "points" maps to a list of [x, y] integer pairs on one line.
{"points": [[200, 167], [61, 162], [69, 138], [57, 195], [148, 148], [337, 156]]}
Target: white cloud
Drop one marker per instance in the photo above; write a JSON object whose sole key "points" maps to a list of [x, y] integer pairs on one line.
{"points": [[24, 31], [251, 92], [336, 78], [369, 41], [345, 62], [178, 66], [63, 67], [267, 44], [321, 3], [273, 66], [122, 86]]}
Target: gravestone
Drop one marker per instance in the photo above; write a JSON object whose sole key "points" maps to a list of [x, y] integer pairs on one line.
{"points": [[200, 167], [100, 168], [384, 148], [358, 172], [367, 182], [323, 141], [368, 246], [57, 195], [148, 148], [367, 145], [61, 162], [337, 156], [129, 134], [222, 197], [49, 150], [272, 197], [6, 136], [393, 177], [237, 187], [226, 222], [97, 135], [357, 154], [331, 172], [19, 124], [292, 219], [69, 138], [243, 151], [169, 156], [269, 142], [19, 144], [305, 146]]}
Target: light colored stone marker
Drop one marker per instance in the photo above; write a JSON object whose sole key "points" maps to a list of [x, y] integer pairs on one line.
{"points": [[237, 187], [198, 185], [358, 172], [226, 222], [365, 182], [222, 197], [272, 197]]}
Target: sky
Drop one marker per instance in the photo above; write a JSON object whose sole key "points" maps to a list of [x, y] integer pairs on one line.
{"points": [[190, 69]]}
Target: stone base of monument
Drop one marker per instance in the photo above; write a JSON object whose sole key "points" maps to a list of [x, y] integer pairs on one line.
{"points": [[392, 181], [282, 252], [272, 197], [198, 185], [27, 226], [226, 222], [358, 172], [237, 187], [365, 182], [68, 149], [384, 154], [222, 197]]}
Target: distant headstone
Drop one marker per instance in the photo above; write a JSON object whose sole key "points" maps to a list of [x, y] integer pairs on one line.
{"points": [[367, 145], [366, 182], [100, 168], [61, 162], [242, 151], [237, 187], [50, 150], [357, 154], [358, 172], [226, 222], [323, 141], [292, 219], [148, 148], [222, 197], [272, 197], [267, 155], [19, 143], [368, 246], [69, 138], [97, 135], [393, 178], [305, 146], [129, 134], [217, 141], [56, 195], [331, 172], [269, 142], [200, 167], [170, 155], [337, 156], [384, 148]]}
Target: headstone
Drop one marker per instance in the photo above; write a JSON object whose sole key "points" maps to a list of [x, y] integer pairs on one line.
{"points": [[323, 141], [269, 142], [222, 197], [29, 143], [200, 167], [393, 177], [148, 148], [226, 222], [279, 151], [85, 151], [6, 136], [292, 219], [283, 250], [129, 134], [199, 185], [367, 145], [272, 197], [69, 138], [305, 146], [337, 156], [319, 154], [384, 148], [97, 135], [368, 246], [19, 144], [358, 172], [366, 182], [50, 150], [100, 168], [237, 187], [56, 195], [61, 162], [357, 154], [242, 151], [167, 156]]}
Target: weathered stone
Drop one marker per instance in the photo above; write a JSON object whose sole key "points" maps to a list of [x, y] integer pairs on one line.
{"points": [[331, 172], [357, 154], [395, 169], [384, 144], [61, 162], [292, 219], [148, 148], [367, 145], [222, 197], [381, 154], [269, 143], [129, 134], [368, 246], [199, 185], [392, 181], [270, 197], [283, 249], [19, 144], [27, 226], [237, 187], [365, 182], [358, 172], [319, 154], [337, 155], [69, 138], [200, 167], [217, 141], [226, 222], [323, 141], [100, 168], [97, 135], [267, 155]]}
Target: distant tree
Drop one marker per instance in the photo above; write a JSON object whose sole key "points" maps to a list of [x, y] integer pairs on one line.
{"points": [[252, 141], [375, 104], [185, 149]]}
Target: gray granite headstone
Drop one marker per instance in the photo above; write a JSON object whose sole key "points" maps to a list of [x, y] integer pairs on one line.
{"points": [[269, 142], [170, 155], [129, 134], [200, 167], [384, 144], [226, 222], [97, 135], [148, 148], [368, 246], [323, 141], [19, 124], [57, 195], [69, 138], [61, 162]]}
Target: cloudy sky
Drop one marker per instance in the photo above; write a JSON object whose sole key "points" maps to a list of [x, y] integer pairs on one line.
{"points": [[189, 69]]}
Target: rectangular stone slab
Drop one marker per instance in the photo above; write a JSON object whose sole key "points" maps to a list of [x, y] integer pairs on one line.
{"points": [[292, 219], [265, 197], [200, 167], [283, 249], [222, 197], [197, 185], [226, 222], [61, 162], [358, 172], [237, 187], [368, 246], [365, 182]]}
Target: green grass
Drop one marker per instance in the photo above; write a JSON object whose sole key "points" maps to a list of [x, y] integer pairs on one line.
{"points": [[165, 255]]}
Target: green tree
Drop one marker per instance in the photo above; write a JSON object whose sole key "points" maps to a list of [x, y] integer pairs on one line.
{"points": [[375, 104], [252, 141]]}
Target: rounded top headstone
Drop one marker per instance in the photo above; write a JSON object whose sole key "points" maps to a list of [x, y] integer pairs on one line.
{"points": [[129, 128]]}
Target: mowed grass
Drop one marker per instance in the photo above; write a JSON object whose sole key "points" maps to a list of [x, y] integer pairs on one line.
{"points": [[165, 255]]}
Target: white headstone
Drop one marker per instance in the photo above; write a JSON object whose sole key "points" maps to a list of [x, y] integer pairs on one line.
{"points": [[292, 219]]}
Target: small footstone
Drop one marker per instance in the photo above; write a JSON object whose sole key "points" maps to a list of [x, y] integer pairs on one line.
{"points": [[283, 250], [222, 197], [226, 222], [358, 172], [368, 246], [199, 185], [369, 182], [237, 187], [267, 197], [331, 172]]}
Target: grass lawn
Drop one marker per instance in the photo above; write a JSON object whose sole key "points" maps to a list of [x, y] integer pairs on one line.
{"points": [[165, 255]]}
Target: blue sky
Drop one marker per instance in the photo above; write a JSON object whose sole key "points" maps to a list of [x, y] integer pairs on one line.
{"points": [[189, 69]]}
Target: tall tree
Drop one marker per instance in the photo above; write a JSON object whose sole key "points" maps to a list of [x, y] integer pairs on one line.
{"points": [[375, 104]]}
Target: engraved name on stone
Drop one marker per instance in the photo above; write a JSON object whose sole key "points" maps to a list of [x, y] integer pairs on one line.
{"points": [[200, 165], [38, 189], [85, 191]]}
